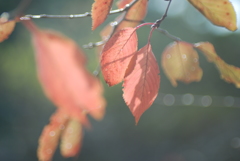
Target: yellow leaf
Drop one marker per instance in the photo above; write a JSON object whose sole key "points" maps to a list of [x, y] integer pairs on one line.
{"points": [[229, 73], [71, 139], [6, 28], [180, 62], [219, 12]]}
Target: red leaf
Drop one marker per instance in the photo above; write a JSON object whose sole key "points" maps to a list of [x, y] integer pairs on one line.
{"points": [[64, 78], [180, 62], [6, 28], [141, 82], [71, 139], [117, 54], [48, 140], [100, 11]]}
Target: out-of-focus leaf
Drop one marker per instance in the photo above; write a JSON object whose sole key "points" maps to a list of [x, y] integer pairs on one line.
{"points": [[71, 139], [63, 75], [49, 138], [100, 11], [117, 54], [134, 16], [99, 112], [180, 62], [141, 82], [229, 73], [107, 31], [123, 3], [6, 28], [219, 12]]}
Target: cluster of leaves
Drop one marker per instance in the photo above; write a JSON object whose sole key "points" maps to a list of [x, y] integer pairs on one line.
{"points": [[76, 92]]}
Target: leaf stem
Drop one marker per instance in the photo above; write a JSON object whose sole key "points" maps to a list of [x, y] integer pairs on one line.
{"points": [[144, 24]]}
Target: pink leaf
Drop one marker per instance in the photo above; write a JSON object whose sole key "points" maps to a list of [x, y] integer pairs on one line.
{"points": [[63, 75], [141, 82], [117, 54]]}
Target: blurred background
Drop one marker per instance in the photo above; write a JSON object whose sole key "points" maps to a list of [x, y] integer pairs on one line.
{"points": [[194, 122]]}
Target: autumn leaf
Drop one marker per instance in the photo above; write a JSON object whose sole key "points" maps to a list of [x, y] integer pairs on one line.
{"points": [[117, 54], [123, 3], [49, 138], [100, 11], [229, 73], [63, 75], [141, 82], [134, 16], [219, 12], [6, 28], [71, 139], [180, 62]]}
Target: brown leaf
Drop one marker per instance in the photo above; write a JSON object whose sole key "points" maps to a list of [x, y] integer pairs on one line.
{"points": [[63, 75], [100, 11], [71, 139], [141, 82], [229, 73], [6, 28], [117, 54], [219, 12], [180, 62], [49, 138]]}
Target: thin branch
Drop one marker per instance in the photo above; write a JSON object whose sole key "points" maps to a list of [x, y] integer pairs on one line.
{"points": [[159, 21], [71, 16]]}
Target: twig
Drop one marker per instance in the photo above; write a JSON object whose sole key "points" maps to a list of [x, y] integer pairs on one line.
{"points": [[159, 21], [71, 16]]}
